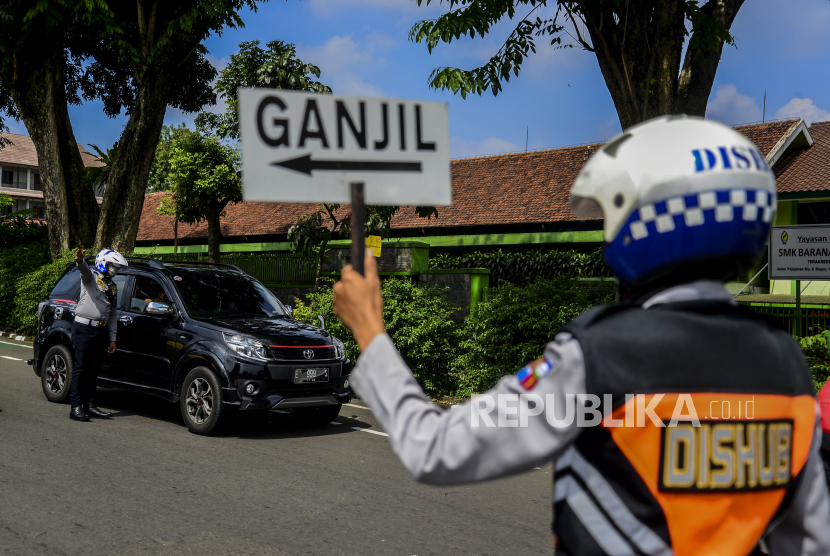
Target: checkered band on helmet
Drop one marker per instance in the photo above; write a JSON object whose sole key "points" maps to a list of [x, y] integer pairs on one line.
{"points": [[661, 234]]}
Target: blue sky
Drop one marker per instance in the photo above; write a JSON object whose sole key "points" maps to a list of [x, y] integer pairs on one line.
{"points": [[560, 97]]}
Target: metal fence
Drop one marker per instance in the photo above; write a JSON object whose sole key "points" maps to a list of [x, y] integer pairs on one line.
{"points": [[814, 318], [272, 269]]}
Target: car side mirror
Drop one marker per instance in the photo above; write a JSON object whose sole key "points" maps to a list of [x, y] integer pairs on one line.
{"points": [[159, 309], [322, 320], [290, 310]]}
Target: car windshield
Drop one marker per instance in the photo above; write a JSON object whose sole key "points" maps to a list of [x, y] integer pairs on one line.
{"points": [[211, 293]]}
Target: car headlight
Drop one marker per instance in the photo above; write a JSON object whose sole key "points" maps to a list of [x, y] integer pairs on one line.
{"points": [[339, 348], [248, 347]]}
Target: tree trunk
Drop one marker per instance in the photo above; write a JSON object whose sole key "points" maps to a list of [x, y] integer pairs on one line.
{"points": [[124, 200], [175, 235], [71, 208], [639, 57], [214, 232], [700, 66], [318, 277], [638, 46]]}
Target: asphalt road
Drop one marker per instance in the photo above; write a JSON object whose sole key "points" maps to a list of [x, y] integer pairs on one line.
{"points": [[140, 483]]}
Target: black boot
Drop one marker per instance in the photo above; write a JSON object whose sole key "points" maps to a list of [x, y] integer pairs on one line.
{"points": [[93, 411], [78, 414]]}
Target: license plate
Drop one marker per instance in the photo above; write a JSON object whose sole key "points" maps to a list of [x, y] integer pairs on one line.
{"points": [[310, 375]]}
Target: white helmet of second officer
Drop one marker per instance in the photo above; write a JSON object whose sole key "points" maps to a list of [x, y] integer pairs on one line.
{"points": [[683, 198], [110, 262]]}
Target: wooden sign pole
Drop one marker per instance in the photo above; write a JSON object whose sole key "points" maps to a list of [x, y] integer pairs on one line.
{"points": [[358, 226]]}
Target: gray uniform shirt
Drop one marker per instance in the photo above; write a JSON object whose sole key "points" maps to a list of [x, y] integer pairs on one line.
{"points": [[94, 302], [446, 447]]}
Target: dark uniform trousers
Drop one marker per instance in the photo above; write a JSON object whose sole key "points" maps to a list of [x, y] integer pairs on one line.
{"points": [[91, 345]]}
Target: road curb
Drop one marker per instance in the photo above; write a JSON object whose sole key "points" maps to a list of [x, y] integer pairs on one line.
{"points": [[358, 402], [12, 335]]}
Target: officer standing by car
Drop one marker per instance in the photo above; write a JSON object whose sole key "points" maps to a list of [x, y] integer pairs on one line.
{"points": [[94, 327], [687, 204]]}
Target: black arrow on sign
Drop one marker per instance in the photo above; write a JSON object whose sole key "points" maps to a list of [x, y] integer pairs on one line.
{"points": [[305, 165]]}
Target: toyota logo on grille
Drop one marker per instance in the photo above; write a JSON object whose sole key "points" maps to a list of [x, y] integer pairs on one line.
{"points": [[308, 354]]}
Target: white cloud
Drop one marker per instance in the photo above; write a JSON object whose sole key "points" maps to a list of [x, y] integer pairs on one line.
{"points": [[803, 108], [329, 7], [463, 148], [731, 107], [608, 129], [344, 62]]}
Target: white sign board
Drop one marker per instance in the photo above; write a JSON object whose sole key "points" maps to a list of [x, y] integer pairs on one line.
{"points": [[799, 253], [308, 147]]}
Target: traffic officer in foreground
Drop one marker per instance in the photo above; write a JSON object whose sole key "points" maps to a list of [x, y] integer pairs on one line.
{"points": [[687, 204], [95, 327]]}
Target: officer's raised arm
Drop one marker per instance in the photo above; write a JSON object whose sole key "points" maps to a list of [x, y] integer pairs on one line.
{"points": [[86, 274], [471, 442]]}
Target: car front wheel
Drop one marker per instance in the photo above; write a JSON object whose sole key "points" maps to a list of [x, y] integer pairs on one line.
{"points": [[56, 373], [201, 402], [316, 416]]}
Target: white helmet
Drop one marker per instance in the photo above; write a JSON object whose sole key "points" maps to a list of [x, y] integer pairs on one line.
{"points": [[114, 259], [678, 193]]}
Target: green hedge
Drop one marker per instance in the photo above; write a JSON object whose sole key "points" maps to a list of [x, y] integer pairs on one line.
{"points": [[815, 350], [522, 267], [463, 358], [417, 319], [20, 269], [33, 288], [511, 329], [18, 228]]}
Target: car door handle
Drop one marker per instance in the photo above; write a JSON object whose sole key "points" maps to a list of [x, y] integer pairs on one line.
{"points": [[126, 320]]}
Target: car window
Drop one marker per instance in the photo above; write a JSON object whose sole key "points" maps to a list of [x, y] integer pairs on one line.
{"points": [[208, 293], [67, 284], [121, 283], [146, 289]]}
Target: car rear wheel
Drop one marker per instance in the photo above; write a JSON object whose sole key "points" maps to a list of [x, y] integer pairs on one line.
{"points": [[316, 416], [201, 402], [56, 373]]}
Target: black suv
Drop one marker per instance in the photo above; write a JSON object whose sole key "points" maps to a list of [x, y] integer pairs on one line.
{"points": [[205, 335]]}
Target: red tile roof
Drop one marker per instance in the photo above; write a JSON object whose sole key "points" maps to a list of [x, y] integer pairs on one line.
{"points": [[523, 188], [22, 152], [765, 136], [806, 169]]}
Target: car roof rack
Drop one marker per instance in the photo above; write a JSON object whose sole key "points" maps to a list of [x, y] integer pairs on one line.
{"points": [[153, 263], [203, 263]]}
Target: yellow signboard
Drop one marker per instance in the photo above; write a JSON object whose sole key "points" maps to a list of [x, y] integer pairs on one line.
{"points": [[373, 244]]}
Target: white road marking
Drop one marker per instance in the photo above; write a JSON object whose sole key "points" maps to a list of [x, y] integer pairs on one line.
{"points": [[280, 411], [12, 358], [369, 431], [335, 423], [355, 405]]}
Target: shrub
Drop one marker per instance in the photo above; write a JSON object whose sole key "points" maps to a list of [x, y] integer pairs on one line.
{"points": [[18, 228], [418, 321], [509, 330], [18, 264], [525, 266], [815, 351], [32, 288]]}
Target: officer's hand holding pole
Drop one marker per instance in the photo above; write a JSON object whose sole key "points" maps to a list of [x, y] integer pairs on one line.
{"points": [[79, 255], [358, 303]]}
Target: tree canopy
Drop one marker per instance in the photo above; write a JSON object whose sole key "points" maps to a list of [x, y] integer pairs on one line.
{"points": [[137, 58], [201, 174], [638, 44], [277, 67]]}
